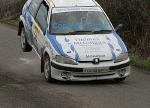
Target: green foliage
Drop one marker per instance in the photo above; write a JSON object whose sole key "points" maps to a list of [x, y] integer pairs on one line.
{"points": [[135, 16], [13, 22], [10, 8], [140, 62]]}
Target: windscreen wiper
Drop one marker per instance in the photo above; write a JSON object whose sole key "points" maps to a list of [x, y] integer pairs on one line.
{"points": [[84, 32], [79, 32], [102, 31]]}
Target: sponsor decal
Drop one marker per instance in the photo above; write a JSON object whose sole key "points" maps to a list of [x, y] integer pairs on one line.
{"points": [[88, 41], [86, 46], [78, 26], [69, 9], [94, 56]]}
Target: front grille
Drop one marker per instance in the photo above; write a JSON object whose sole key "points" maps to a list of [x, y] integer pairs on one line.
{"points": [[119, 66], [96, 75], [92, 61]]}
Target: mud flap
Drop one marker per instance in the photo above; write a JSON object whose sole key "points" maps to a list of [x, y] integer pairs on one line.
{"points": [[20, 28]]}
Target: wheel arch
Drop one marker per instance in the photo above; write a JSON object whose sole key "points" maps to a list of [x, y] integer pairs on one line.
{"points": [[21, 25], [45, 53]]}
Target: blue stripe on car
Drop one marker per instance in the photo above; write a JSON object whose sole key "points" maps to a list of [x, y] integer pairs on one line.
{"points": [[56, 45], [77, 58], [111, 48], [120, 42], [28, 20], [112, 51]]}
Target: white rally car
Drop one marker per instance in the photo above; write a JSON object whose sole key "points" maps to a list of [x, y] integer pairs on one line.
{"points": [[74, 39]]}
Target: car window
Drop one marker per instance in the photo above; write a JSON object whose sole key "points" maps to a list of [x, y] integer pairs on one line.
{"points": [[41, 17], [66, 22], [34, 6]]}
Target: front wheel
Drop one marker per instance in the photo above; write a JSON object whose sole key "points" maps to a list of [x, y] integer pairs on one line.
{"points": [[24, 43], [119, 79], [47, 69]]}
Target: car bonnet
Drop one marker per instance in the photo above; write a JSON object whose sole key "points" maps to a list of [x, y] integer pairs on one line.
{"points": [[88, 47]]}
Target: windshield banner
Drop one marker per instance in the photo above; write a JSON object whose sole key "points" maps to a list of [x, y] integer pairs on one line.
{"points": [[69, 9]]}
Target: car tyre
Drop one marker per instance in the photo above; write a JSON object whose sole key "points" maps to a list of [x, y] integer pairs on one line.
{"points": [[47, 69], [24, 43], [118, 80]]}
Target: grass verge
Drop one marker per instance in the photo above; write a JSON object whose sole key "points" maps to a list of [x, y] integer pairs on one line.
{"points": [[140, 62], [11, 21]]}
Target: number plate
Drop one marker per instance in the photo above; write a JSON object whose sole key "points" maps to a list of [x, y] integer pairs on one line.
{"points": [[94, 70]]}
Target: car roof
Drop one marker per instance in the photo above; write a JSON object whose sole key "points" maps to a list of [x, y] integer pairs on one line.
{"points": [[71, 3]]}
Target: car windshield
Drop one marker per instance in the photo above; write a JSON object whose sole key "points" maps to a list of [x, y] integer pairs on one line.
{"points": [[79, 22]]}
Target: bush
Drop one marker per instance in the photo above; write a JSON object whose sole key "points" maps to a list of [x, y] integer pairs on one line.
{"points": [[135, 16], [10, 8]]}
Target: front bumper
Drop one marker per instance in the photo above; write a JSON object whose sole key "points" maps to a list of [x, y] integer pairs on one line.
{"points": [[76, 73]]}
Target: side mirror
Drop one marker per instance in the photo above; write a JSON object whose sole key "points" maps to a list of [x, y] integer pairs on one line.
{"points": [[118, 27]]}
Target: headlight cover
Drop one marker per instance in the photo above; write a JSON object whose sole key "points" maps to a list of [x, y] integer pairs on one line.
{"points": [[122, 57], [65, 60]]}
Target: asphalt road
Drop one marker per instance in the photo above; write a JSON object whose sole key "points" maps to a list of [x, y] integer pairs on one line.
{"points": [[23, 86]]}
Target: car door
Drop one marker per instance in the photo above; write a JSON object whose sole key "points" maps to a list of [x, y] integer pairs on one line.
{"points": [[29, 17], [40, 26]]}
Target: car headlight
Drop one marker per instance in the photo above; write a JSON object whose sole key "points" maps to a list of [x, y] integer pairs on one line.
{"points": [[122, 57], [65, 60]]}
